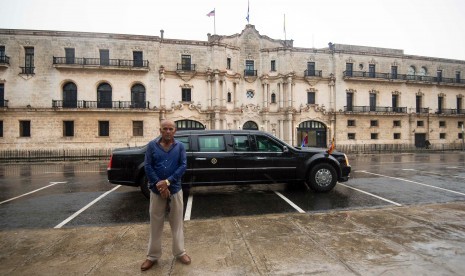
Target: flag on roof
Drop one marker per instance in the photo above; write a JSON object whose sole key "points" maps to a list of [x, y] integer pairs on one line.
{"points": [[212, 13]]}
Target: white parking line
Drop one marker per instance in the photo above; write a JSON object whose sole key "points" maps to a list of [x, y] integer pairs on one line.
{"points": [[187, 216], [370, 194], [85, 208], [51, 184], [290, 202], [414, 182]]}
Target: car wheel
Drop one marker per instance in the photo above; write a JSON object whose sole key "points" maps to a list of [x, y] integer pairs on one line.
{"points": [[322, 178], [144, 186]]}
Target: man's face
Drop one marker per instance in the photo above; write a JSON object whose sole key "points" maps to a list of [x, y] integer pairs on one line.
{"points": [[167, 130]]}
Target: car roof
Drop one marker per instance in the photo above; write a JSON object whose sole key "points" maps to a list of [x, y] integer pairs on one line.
{"points": [[202, 132]]}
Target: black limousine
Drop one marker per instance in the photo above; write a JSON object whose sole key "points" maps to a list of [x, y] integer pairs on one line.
{"points": [[217, 157]]}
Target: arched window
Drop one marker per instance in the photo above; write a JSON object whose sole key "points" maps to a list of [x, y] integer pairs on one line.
{"points": [[249, 125], [70, 95], [411, 70], [423, 71], [188, 125], [273, 98], [138, 96], [104, 96]]}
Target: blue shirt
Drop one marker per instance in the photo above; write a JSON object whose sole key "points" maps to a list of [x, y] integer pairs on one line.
{"points": [[161, 165]]}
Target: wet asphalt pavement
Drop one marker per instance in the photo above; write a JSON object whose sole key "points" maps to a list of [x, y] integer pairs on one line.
{"points": [[398, 215]]}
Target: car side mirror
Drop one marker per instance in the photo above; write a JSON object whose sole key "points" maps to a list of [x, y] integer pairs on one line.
{"points": [[285, 149]]}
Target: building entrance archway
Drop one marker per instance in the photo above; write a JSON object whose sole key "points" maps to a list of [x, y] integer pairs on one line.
{"points": [[312, 134]]}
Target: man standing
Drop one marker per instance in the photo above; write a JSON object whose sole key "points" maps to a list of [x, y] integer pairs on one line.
{"points": [[165, 163]]}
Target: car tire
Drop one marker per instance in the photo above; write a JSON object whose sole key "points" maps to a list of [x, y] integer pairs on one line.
{"points": [[144, 186], [322, 178]]}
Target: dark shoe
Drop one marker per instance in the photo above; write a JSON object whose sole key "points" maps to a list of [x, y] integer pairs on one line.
{"points": [[185, 259], [147, 265]]}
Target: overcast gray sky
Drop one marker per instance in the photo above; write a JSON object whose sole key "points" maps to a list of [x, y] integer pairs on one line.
{"points": [[434, 28]]}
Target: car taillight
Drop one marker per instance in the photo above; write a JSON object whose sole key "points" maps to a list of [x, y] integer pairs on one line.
{"points": [[110, 162]]}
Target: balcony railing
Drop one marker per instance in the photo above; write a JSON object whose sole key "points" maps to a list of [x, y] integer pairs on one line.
{"points": [[250, 73], [419, 110], [3, 103], [4, 59], [101, 62], [27, 70], [101, 104], [405, 77], [359, 109], [185, 67], [451, 111], [312, 73]]}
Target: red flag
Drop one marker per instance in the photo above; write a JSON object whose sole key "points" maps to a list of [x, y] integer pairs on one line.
{"points": [[331, 148]]}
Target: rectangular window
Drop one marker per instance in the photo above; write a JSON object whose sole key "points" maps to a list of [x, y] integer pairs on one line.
{"points": [[211, 143], [395, 103], [310, 68], [69, 55], [103, 128], [351, 136], [1, 128], [374, 123], [374, 136], [29, 60], [2, 51], [186, 95], [418, 104], [439, 75], [393, 72], [228, 63], [442, 123], [350, 123], [186, 62], [349, 69], [442, 136], [396, 123], [459, 106], [310, 97], [457, 77], [460, 124], [249, 68], [396, 136], [372, 71], [68, 128], [24, 128], [440, 104], [372, 102], [273, 65], [104, 57], [138, 59], [420, 123], [2, 95], [137, 128], [460, 135], [350, 101]]}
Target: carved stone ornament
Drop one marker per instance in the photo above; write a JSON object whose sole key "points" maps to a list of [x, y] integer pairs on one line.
{"points": [[419, 93], [396, 92], [186, 75]]}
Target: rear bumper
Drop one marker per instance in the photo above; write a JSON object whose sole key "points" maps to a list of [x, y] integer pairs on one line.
{"points": [[115, 177]]}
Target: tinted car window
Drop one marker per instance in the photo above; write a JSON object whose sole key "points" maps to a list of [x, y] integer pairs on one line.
{"points": [[211, 143], [267, 145], [241, 143], [185, 141]]}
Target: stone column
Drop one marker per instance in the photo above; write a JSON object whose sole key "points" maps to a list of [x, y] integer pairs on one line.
{"points": [[289, 91], [281, 95], [162, 87], [215, 91]]}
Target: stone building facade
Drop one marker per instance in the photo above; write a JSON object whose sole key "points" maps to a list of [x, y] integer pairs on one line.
{"points": [[95, 90]]}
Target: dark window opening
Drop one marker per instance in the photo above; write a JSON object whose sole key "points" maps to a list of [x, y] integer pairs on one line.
{"points": [[186, 95], [137, 128], [24, 128], [70, 95], [228, 63], [69, 55], [372, 71], [186, 62], [137, 58], [104, 57], [188, 125], [310, 97], [104, 96], [68, 128], [273, 65], [104, 128], [250, 125], [349, 69], [138, 96], [350, 101]]}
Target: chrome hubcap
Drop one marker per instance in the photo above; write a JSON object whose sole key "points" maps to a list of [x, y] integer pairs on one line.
{"points": [[323, 177]]}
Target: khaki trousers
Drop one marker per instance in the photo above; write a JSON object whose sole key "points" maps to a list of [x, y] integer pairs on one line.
{"points": [[157, 220]]}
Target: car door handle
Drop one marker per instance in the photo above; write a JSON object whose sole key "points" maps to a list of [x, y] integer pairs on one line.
{"points": [[201, 158], [261, 158]]}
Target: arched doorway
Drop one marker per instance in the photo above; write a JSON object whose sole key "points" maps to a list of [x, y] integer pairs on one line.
{"points": [[104, 96], [189, 125], [70, 95], [312, 134], [250, 125]]}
